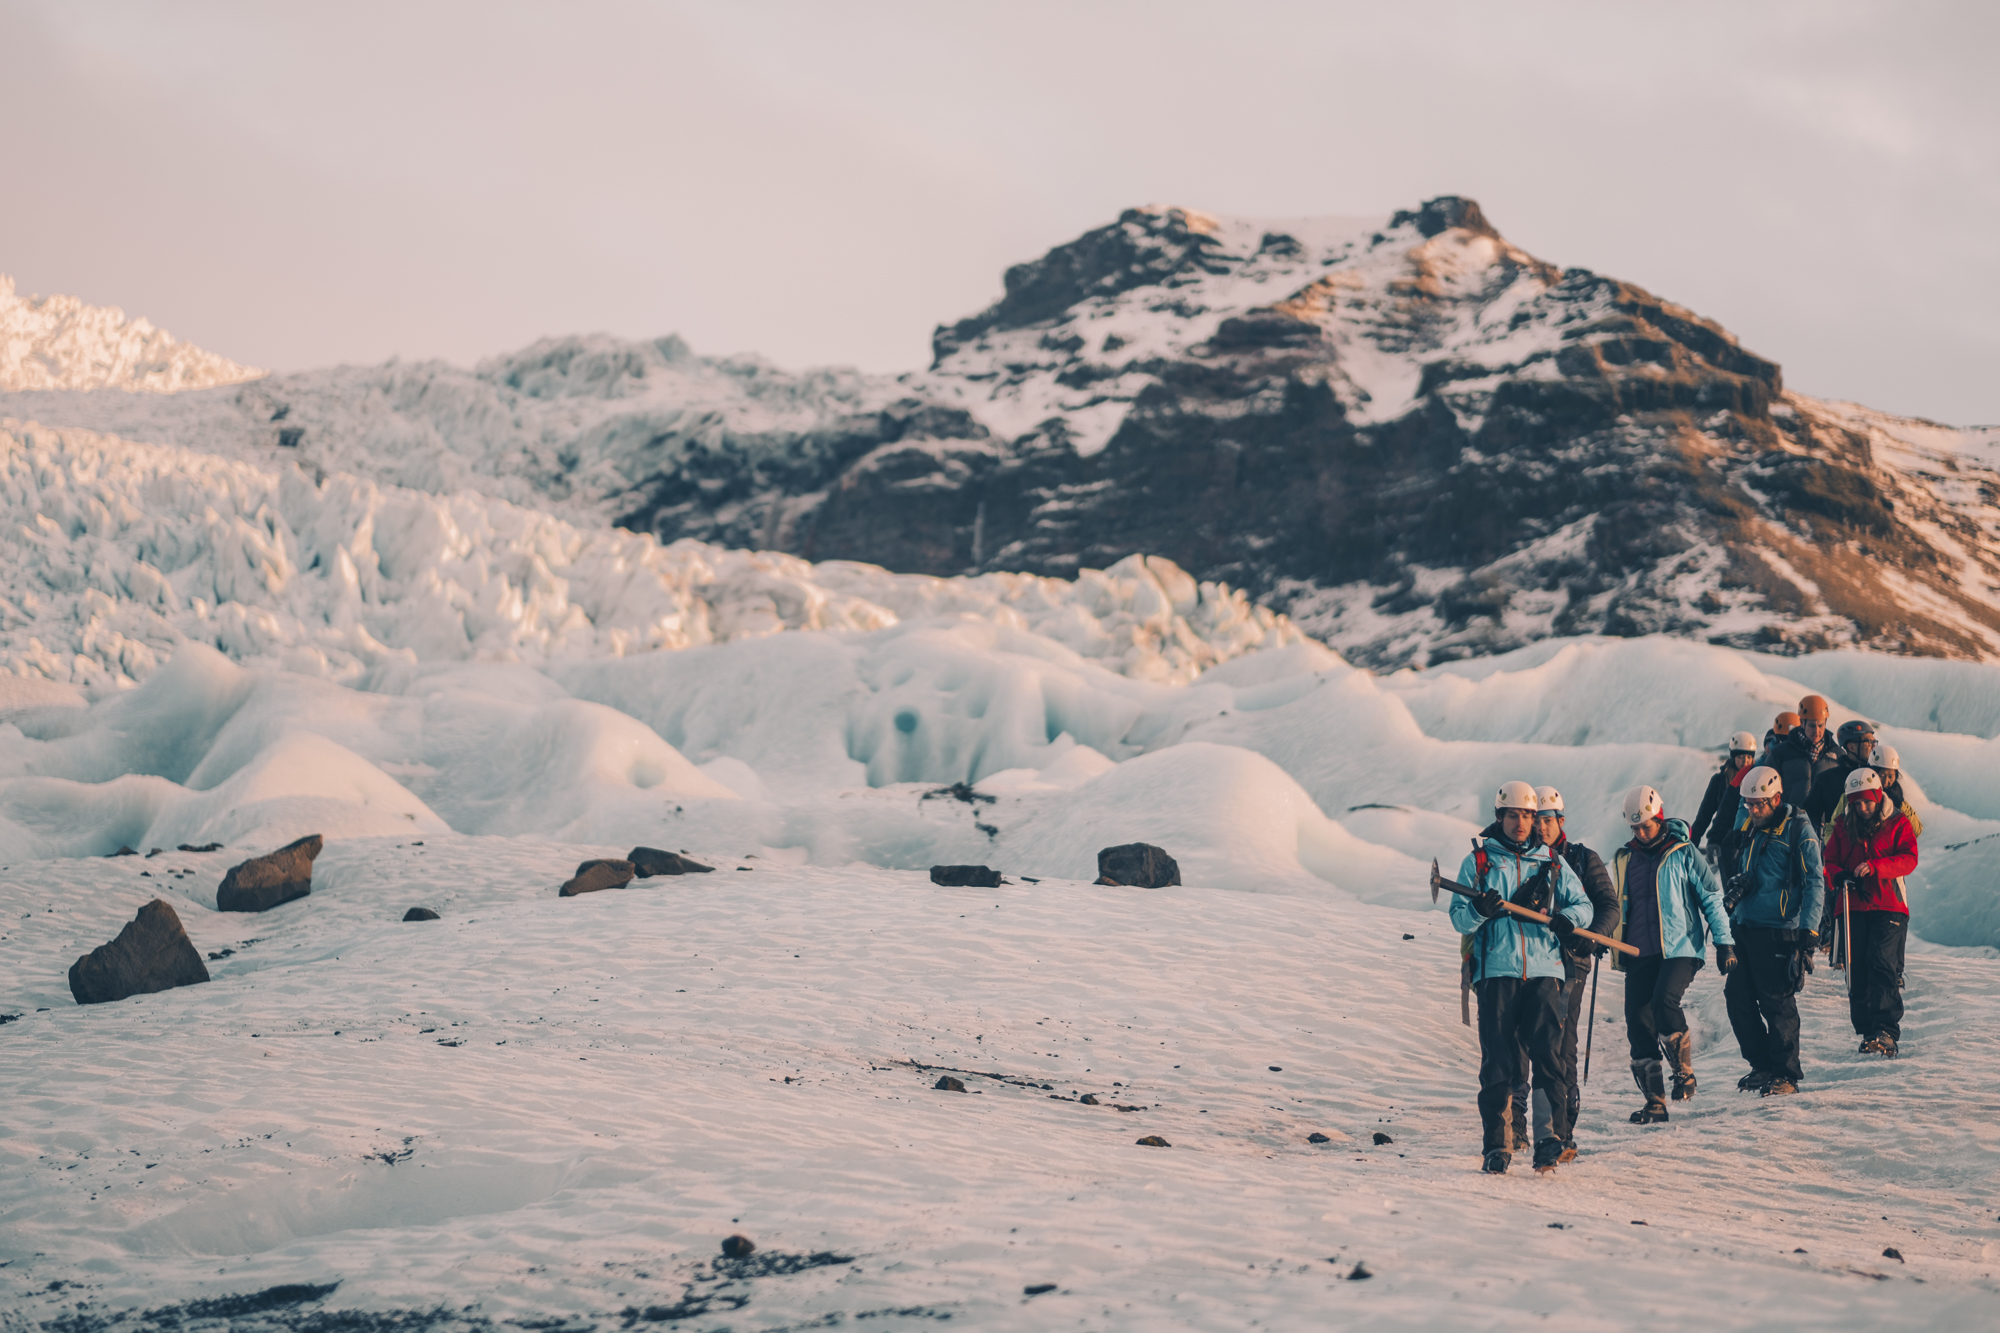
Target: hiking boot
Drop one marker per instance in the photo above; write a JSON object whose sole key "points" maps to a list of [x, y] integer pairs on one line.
{"points": [[1880, 1044], [1497, 1162], [1569, 1151], [1755, 1081], [1547, 1153], [1780, 1086], [1652, 1113], [1680, 1058], [1651, 1077]]}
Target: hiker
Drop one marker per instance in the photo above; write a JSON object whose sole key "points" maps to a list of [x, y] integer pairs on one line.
{"points": [[1805, 752], [1578, 954], [1669, 907], [1872, 846], [1518, 971], [1775, 888], [1717, 815], [1780, 728], [1853, 742]]}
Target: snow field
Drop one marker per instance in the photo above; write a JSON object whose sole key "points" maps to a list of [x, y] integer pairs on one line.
{"points": [[545, 1108]]}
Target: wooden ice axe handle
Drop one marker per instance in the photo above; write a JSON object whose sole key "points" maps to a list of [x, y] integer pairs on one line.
{"points": [[1438, 881]]}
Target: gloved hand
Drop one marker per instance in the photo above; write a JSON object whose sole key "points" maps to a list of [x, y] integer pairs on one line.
{"points": [[1843, 881], [1725, 958], [1565, 930], [1808, 946], [1487, 904]]}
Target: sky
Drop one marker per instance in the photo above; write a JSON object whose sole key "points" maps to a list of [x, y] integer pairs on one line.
{"points": [[301, 185]]}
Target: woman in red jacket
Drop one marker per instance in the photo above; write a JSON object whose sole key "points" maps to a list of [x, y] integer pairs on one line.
{"points": [[1868, 851]]}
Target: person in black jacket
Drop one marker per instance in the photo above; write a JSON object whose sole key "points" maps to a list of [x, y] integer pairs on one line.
{"points": [[1855, 739], [1805, 753], [1717, 815], [1580, 953]]}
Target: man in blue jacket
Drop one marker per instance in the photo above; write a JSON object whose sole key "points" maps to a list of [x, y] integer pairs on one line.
{"points": [[1518, 971], [1669, 906], [1776, 890]]}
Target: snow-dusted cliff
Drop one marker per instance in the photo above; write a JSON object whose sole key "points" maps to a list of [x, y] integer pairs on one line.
{"points": [[58, 342]]}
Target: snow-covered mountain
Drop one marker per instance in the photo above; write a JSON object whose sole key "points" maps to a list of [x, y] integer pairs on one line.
{"points": [[1420, 441], [58, 342]]}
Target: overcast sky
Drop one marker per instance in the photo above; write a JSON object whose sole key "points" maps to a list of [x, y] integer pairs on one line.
{"points": [[297, 185]]}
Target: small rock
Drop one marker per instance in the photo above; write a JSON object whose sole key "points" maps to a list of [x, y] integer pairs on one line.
{"points": [[1381, 1138], [152, 953], [205, 847], [1799, 1251], [946, 1083], [1038, 1289], [1317, 1137], [124, 851], [1088, 1099], [1409, 937], [1360, 1273], [1893, 1253], [1154, 1141], [420, 914], [155, 852], [1138, 865], [738, 1247], [596, 876], [1276, 1069], [1558, 1226], [650, 861], [966, 877], [263, 882]]}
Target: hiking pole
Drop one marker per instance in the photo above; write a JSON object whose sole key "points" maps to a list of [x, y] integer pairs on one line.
{"points": [[1847, 937], [1438, 881], [1591, 1030]]}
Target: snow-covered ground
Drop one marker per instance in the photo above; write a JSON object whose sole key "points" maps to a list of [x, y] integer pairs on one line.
{"points": [[550, 1111]]}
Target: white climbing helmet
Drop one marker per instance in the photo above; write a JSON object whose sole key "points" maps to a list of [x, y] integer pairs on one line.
{"points": [[1863, 779], [1761, 784], [1885, 757], [1516, 796], [1642, 804], [1743, 743], [1550, 800]]}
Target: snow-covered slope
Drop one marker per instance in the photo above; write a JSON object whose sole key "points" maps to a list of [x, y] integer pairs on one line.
{"points": [[58, 342]]}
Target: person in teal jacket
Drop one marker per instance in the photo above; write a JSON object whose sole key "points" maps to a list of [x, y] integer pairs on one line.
{"points": [[1776, 891], [1518, 972], [1670, 908]]}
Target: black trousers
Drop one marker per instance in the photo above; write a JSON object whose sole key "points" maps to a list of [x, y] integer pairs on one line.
{"points": [[1760, 993], [1875, 1002], [1573, 1025], [1521, 1019], [1653, 990]]}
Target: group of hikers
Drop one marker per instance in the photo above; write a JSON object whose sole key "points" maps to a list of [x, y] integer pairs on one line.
{"points": [[1808, 841]]}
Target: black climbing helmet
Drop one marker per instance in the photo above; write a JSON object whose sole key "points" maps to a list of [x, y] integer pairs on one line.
{"points": [[1854, 730]]}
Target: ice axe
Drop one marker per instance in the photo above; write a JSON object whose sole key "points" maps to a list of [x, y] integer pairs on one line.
{"points": [[1438, 881]]}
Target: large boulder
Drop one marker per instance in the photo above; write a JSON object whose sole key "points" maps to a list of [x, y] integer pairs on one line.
{"points": [[263, 882], [152, 953], [1138, 865], [650, 861], [596, 876], [966, 877]]}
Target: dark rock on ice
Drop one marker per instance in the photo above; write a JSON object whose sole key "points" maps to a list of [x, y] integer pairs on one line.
{"points": [[1893, 1253], [1154, 1141], [1038, 1289], [1317, 1137], [946, 1083], [152, 953], [1409, 937], [205, 847], [738, 1247], [1360, 1273], [650, 861], [420, 914], [263, 882], [966, 877], [1139, 865], [124, 851], [1381, 1138], [595, 876], [1088, 1099]]}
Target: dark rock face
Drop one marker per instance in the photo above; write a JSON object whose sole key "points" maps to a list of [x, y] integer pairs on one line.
{"points": [[966, 877], [1138, 865], [650, 861], [420, 914], [596, 876], [263, 882], [946, 1083], [152, 953]]}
